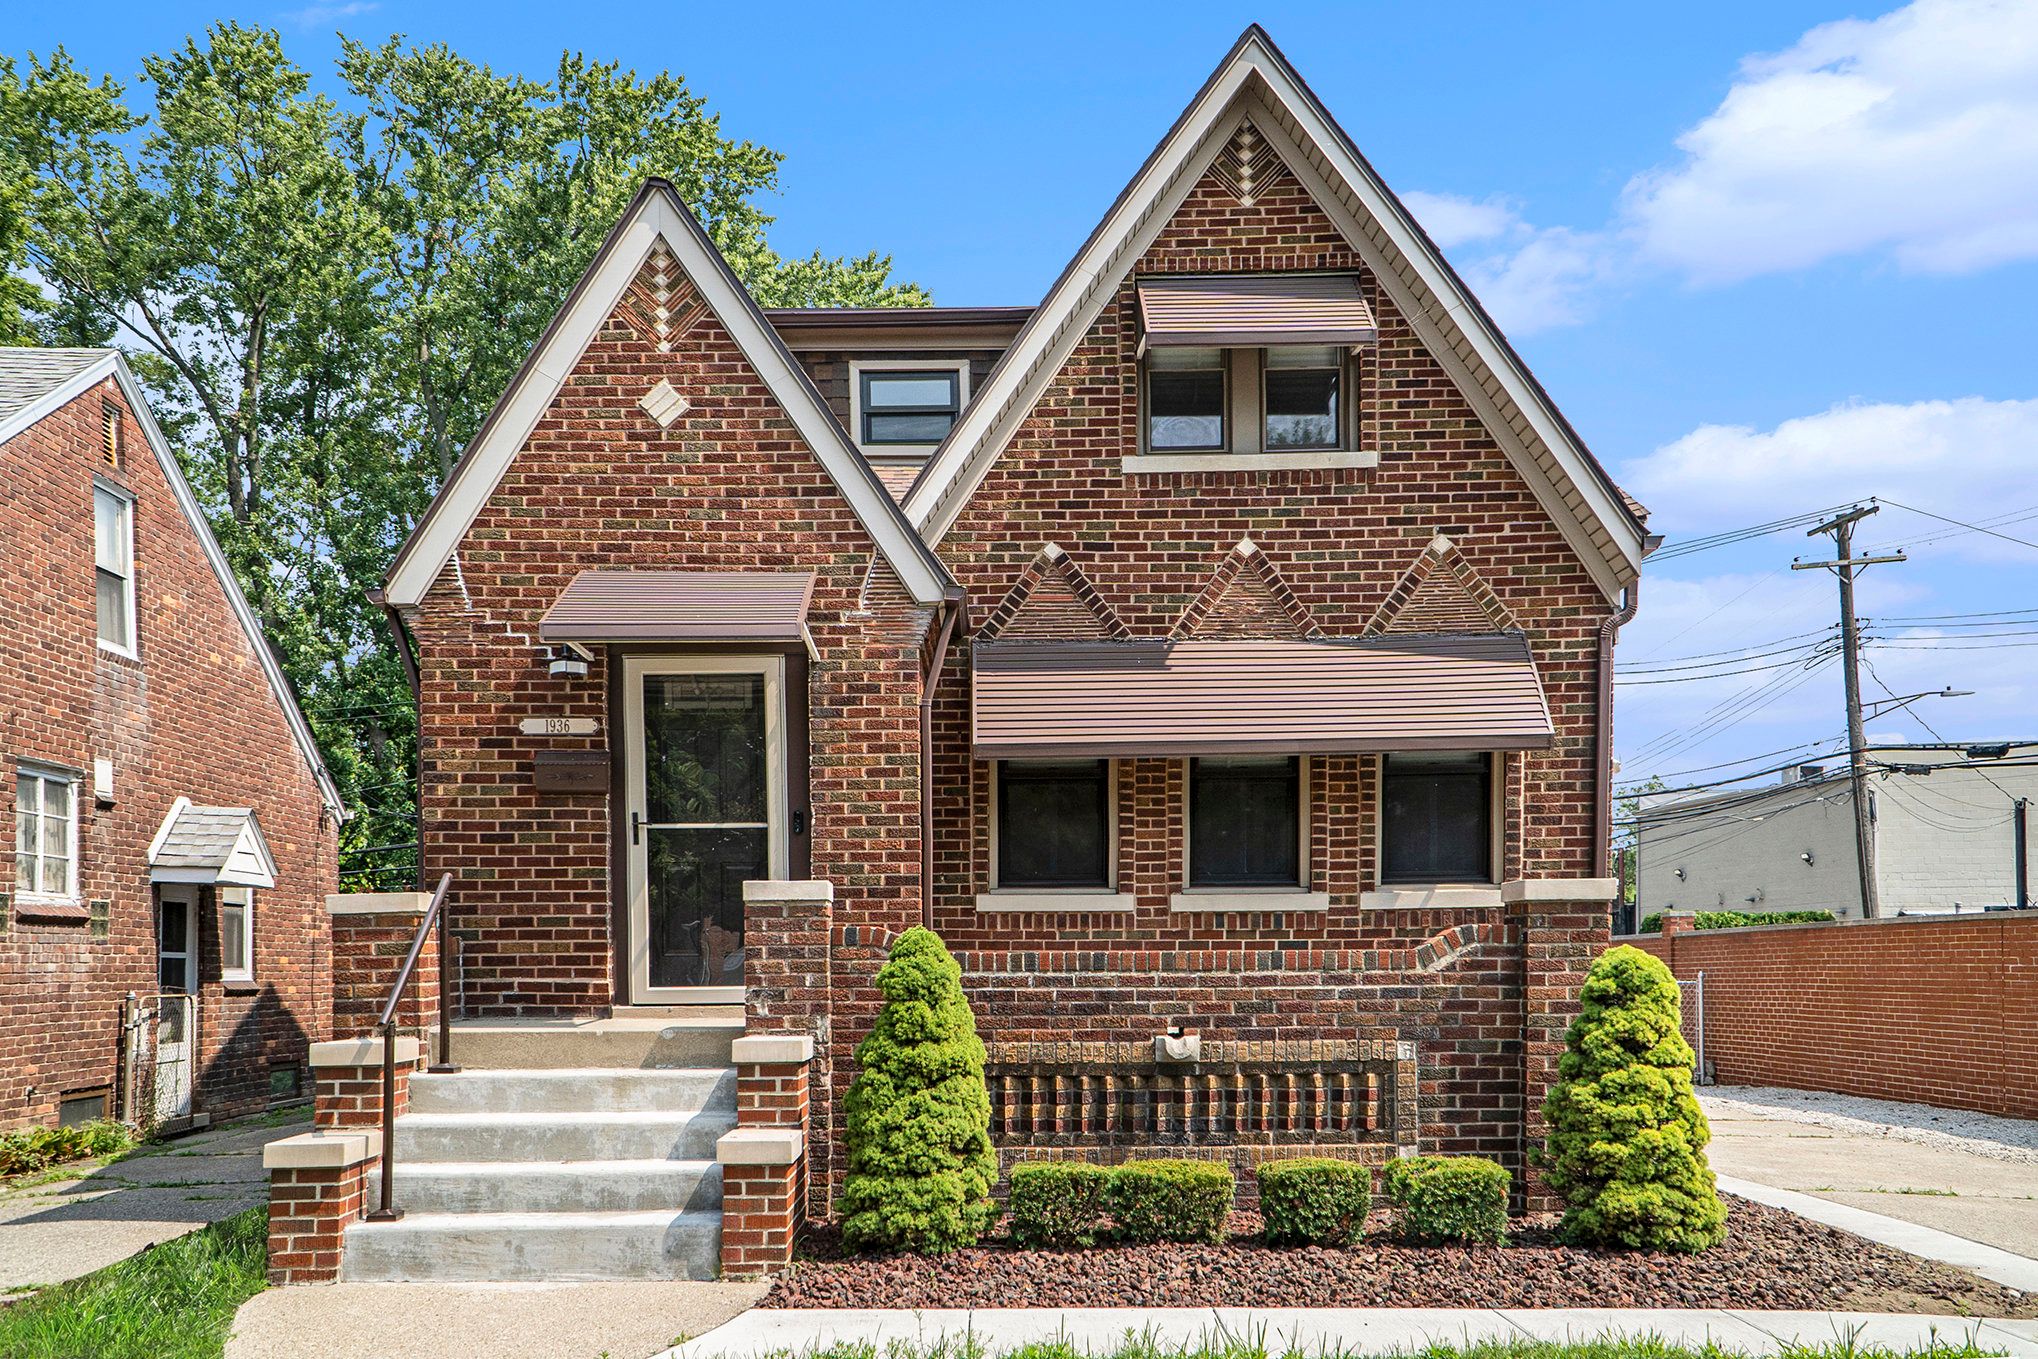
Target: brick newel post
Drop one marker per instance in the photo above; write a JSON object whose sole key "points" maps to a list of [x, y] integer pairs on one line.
{"points": [[764, 1165], [1562, 926], [1679, 922], [318, 1183], [372, 934], [787, 956]]}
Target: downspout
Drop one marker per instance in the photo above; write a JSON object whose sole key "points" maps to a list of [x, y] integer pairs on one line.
{"points": [[406, 654], [1602, 803], [954, 605]]}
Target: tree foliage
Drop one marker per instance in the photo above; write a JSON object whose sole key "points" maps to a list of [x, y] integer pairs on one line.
{"points": [[1626, 1146], [324, 293]]}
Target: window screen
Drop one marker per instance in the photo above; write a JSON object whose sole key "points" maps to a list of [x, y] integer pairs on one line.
{"points": [[1436, 820], [1245, 822], [1054, 823]]}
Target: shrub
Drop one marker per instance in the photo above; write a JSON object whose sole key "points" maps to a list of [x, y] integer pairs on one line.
{"points": [[917, 1116], [1734, 920], [1448, 1198], [1626, 1146], [1170, 1200], [35, 1148], [1314, 1201], [1057, 1203]]}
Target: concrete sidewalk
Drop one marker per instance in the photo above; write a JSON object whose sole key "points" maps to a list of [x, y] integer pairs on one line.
{"points": [[1341, 1331]]}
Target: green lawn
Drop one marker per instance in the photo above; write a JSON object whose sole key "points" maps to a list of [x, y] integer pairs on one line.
{"points": [[1611, 1347], [173, 1301]]}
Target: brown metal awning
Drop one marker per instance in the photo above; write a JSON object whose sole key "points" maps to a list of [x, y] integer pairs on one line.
{"points": [[1255, 309], [680, 606], [1478, 691]]}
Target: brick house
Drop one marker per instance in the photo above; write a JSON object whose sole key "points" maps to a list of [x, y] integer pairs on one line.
{"points": [[164, 953], [1216, 655]]}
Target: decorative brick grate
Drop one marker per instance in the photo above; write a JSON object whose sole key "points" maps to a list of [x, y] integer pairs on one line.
{"points": [[1250, 1093]]}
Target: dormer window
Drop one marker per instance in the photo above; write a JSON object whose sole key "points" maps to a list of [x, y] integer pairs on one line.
{"points": [[907, 407]]}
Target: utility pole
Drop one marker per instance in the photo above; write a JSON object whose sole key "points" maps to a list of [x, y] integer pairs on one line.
{"points": [[1845, 566], [2021, 836]]}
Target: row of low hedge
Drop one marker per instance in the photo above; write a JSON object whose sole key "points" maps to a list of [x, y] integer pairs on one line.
{"points": [[1308, 1201], [37, 1148], [1734, 920]]}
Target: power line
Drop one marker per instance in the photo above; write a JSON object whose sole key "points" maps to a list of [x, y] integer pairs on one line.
{"points": [[1729, 764], [1972, 528]]}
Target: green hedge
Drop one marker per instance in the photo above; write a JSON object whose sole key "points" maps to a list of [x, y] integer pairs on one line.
{"points": [[1170, 1200], [1314, 1201], [1058, 1203], [35, 1148], [1734, 920], [1448, 1198]]}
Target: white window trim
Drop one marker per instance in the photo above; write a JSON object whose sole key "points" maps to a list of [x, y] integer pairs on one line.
{"points": [[247, 910], [1267, 897], [131, 648], [881, 454], [1441, 895], [1064, 900], [50, 774]]}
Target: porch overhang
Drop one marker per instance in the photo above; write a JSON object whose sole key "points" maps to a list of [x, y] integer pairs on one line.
{"points": [[1045, 700], [1237, 310], [220, 846], [599, 607]]}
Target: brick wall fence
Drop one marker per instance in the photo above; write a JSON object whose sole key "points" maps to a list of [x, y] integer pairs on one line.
{"points": [[1933, 1009]]}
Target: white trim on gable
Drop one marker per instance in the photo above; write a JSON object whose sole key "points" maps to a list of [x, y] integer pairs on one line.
{"points": [[656, 214], [1257, 78]]}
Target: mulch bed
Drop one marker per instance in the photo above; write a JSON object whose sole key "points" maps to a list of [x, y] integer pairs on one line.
{"points": [[1770, 1260]]}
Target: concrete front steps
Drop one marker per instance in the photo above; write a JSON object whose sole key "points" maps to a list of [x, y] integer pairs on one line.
{"points": [[533, 1173]]}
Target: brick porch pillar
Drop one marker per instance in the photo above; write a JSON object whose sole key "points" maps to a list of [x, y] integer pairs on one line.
{"points": [[764, 1165], [787, 954], [372, 934], [318, 1183], [1563, 926], [347, 1080]]}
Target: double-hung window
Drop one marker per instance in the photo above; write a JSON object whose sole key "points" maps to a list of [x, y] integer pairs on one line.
{"points": [[237, 933], [113, 563], [1054, 824], [46, 834], [1245, 822], [907, 408], [1436, 820]]}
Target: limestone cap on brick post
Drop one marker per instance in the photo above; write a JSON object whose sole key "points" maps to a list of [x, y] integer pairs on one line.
{"points": [[1679, 922], [789, 889], [378, 903], [324, 1149], [1539, 891], [761, 1147], [363, 1052], [772, 1049]]}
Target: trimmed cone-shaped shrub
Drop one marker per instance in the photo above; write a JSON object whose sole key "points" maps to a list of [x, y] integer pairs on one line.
{"points": [[1626, 1146], [918, 1119]]}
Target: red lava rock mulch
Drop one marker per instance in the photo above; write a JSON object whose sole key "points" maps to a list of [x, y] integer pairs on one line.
{"points": [[1771, 1260]]}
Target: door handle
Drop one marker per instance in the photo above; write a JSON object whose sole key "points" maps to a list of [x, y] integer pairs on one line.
{"points": [[635, 820]]}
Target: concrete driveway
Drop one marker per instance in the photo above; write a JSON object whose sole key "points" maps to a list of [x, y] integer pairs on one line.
{"points": [[1968, 1174], [50, 1232]]}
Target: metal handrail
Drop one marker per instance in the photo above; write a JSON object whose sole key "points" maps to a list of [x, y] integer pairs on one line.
{"points": [[435, 914]]}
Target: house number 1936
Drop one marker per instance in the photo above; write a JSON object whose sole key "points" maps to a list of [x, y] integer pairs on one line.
{"points": [[560, 726]]}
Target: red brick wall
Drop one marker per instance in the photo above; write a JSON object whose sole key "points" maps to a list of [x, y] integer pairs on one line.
{"points": [[193, 717], [368, 951], [1933, 1009]]}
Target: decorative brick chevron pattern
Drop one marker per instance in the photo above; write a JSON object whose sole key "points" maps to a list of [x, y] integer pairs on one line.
{"points": [[1246, 597], [660, 304], [1246, 164], [1442, 593], [1054, 600]]}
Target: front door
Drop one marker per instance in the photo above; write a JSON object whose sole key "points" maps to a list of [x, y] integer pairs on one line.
{"points": [[176, 1007], [705, 814]]}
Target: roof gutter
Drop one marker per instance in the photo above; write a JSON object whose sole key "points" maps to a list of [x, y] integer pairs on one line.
{"points": [[1602, 802], [954, 609]]}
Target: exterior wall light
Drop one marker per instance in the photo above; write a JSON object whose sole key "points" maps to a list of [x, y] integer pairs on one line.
{"points": [[566, 663]]}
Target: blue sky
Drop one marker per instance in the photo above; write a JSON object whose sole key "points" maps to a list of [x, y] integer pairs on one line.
{"points": [[1768, 257]]}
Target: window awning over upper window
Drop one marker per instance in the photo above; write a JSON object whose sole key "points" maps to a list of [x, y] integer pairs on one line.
{"points": [[680, 606], [211, 845], [1475, 691], [1255, 309]]}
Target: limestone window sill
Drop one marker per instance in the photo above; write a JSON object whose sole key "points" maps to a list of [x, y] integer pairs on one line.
{"points": [[1312, 460], [1054, 903], [1442, 896], [1237, 902]]}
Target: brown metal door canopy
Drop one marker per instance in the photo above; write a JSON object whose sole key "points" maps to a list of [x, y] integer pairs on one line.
{"points": [[680, 606], [1472, 691], [1255, 309]]}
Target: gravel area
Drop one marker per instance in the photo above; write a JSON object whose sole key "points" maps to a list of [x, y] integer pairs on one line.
{"points": [[2001, 1139], [1770, 1260]]}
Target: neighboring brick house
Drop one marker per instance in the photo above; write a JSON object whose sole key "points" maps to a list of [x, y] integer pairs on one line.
{"points": [[1221, 646], [164, 951]]}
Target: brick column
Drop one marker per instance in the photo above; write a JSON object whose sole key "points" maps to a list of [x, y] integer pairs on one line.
{"points": [[1562, 925], [1679, 922], [347, 1080], [764, 1168], [787, 943], [318, 1183], [372, 934]]}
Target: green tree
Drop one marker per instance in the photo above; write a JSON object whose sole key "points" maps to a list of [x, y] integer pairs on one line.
{"points": [[918, 1118], [1626, 1146]]}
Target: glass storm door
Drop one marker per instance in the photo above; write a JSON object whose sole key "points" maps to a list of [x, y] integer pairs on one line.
{"points": [[176, 1000], [706, 791]]}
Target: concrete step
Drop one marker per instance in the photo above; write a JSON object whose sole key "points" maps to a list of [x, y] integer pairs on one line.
{"points": [[529, 1247], [626, 1039], [555, 1186], [596, 1136], [679, 1090]]}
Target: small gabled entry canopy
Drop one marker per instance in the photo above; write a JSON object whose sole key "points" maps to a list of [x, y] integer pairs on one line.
{"points": [[1091, 699], [1245, 310], [222, 845], [680, 606]]}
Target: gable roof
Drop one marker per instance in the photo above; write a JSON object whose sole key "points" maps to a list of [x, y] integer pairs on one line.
{"points": [[656, 213], [211, 844], [1256, 80], [42, 381]]}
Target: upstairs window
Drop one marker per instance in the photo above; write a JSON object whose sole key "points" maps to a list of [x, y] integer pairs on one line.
{"points": [[1054, 823], [1285, 399], [1301, 388], [45, 834], [1245, 822], [907, 408], [1185, 400], [113, 561], [1436, 818]]}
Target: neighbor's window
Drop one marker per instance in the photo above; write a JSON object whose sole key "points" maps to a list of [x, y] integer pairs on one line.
{"points": [[1054, 823], [1436, 822], [237, 933], [1245, 822], [1302, 396], [908, 406], [1185, 399], [45, 834], [113, 558]]}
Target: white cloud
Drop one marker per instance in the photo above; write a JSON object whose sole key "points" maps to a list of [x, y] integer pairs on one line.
{"points": [[311, 16], [1915, 133], [1453, 220], [1970, 458], [1530, 278]]}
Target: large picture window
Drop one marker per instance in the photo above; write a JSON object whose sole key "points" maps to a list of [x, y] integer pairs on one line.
{"points": [[1245, 822], [45, 834], [1054, 823], [1436, 821]]}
